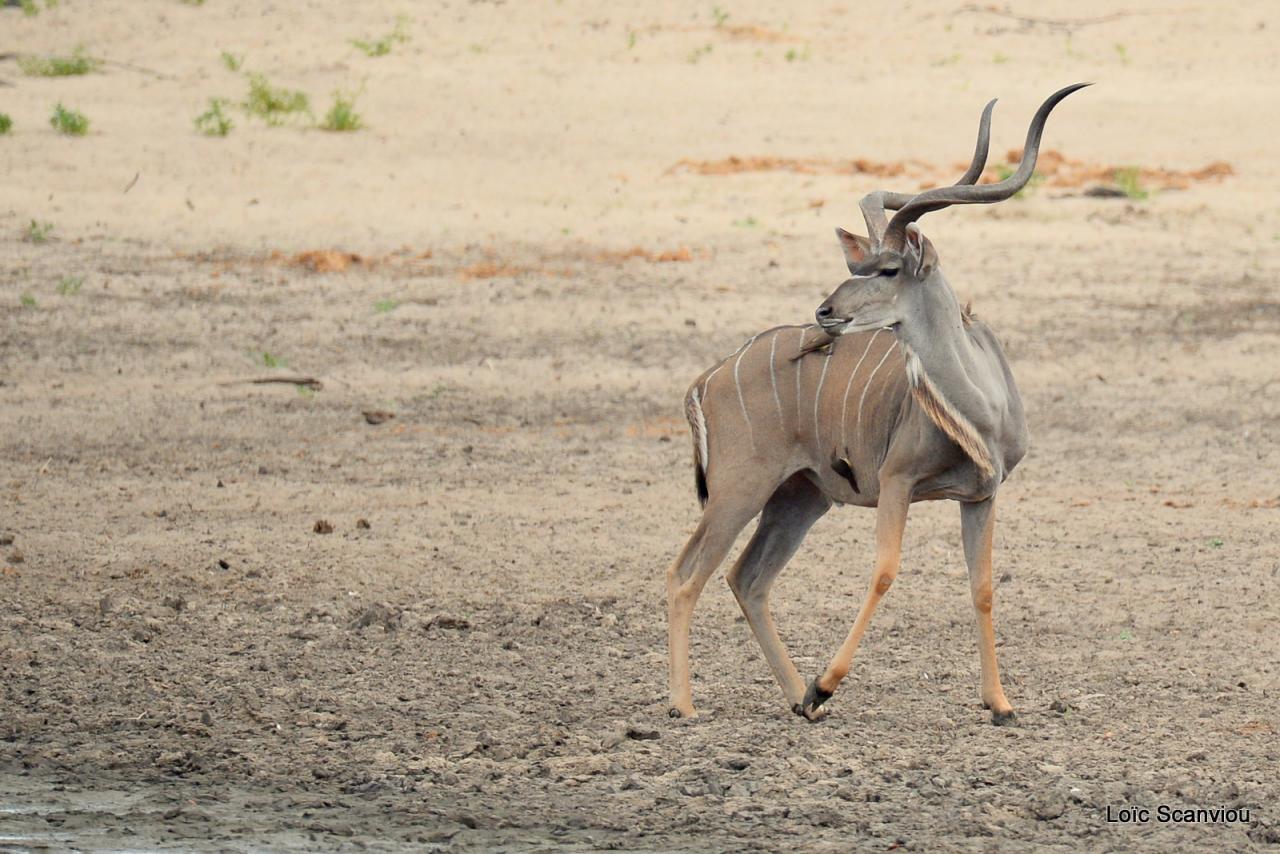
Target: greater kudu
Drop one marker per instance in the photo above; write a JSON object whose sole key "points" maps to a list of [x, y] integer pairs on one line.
{"points": [[897, 395]]}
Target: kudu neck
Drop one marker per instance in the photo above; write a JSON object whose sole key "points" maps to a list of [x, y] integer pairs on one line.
{"points": [[943, 359], [936, 333]]}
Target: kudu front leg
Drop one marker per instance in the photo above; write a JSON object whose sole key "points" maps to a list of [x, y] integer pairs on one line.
{"points": [[978, 522], [891, 520]]}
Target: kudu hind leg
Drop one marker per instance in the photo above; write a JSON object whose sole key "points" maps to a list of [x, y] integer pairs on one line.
{"points": [[891, 520], [726, 514], [978, 522], [788, 516]]}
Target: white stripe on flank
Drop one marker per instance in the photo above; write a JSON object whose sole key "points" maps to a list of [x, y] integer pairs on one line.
{"points": [[773, 378], [751, 433], [799, 363], [817, 396], [707, 382], [844, 407], [867, 388], [701, 427]]}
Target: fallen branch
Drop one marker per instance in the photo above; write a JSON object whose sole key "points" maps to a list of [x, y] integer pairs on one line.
{"points": [[307, 382], [1067, 25]]}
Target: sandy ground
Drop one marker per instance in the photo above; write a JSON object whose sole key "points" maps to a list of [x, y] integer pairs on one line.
{"points": [[474, 656]]}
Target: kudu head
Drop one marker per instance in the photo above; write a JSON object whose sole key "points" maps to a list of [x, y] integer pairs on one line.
{"points": [[892, 268]]}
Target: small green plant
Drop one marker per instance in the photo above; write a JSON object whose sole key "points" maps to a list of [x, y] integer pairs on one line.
{"points": [[1126, 635], [38, 232], [631, 39], [27, 300], [58, 66], [747, 222], [1123, 53], [6, 124], [342, 116], [31, 9], [1215, 543], [231, 61], [720, 16], [383, 46], [270, 361], [274, 105], [696, 55], [213, 121], [69, 286], [1000, 58], [794, 54], [1129, 180], [69, 122], [384, 306], [193, 2]]}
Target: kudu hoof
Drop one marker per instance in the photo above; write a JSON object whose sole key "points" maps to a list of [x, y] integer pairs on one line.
{"points": [[810, 708], [1004, 718]]}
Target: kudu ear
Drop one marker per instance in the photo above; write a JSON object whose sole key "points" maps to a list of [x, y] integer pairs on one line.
{"points": [[856, 249], [918, 252]]}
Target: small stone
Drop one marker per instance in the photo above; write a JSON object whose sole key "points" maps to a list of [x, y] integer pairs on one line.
{"points": [[363, 525], [6, 539], [377, 416], [642, 734], [1048, 808], [322, 527], [16, 556]]}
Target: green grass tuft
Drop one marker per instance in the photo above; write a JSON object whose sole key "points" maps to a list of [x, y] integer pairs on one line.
{"points": [[695, 56], [1129, 180], [6, 124], [69, 122], [273, 105], [38, 232], [213, 121], [383, 46], [58, 66], [342, 116], [27, 300], [383, 306], [232, 61], [30, 9], [69, 286]]}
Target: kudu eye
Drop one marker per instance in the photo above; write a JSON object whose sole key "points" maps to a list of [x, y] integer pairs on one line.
{"points": [[889, 272]]}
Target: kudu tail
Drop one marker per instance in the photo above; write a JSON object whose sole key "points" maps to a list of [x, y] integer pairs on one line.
{"points": [[698, 426]]}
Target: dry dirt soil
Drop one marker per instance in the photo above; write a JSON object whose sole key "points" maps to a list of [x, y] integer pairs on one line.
{"points": [[237, 615]]}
